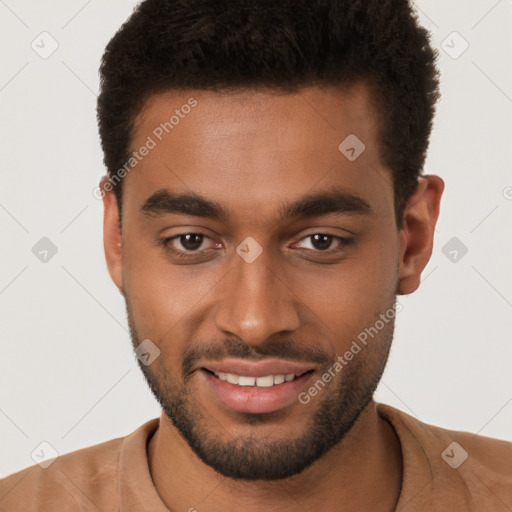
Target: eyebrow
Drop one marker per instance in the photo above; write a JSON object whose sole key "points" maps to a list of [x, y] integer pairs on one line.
{"points": [[330, 201]]}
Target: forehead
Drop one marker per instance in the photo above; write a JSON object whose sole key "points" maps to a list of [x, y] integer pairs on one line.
{"points": [[254, 150]]}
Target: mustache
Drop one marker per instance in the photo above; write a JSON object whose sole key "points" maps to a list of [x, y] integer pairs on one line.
{"points": [[230, 348]]}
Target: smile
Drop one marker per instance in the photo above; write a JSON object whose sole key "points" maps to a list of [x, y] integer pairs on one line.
{"points": [[255, 387], [263, 382]]}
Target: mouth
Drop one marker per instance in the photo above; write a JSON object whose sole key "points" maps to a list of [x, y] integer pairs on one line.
{"points": [[266, 381], [257, 388]]}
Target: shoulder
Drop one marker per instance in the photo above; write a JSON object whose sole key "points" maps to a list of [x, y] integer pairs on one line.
{"points": [[468, 471], [113, 475], [73, 481], [490, 453]]}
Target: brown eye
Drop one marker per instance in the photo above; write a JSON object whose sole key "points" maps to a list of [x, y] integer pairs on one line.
{"points": [[191, 241], [321, 242], [188, 245], [324, 243]]}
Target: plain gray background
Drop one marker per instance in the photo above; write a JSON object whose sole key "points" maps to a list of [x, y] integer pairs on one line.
{"points": [[67, 372]]}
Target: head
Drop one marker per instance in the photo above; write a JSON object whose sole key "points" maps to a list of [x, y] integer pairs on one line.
{"points": [[265, 202]]}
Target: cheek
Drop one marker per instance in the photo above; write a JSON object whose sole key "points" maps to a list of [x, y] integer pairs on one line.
{"points": [[351, 298], [163, 296]]}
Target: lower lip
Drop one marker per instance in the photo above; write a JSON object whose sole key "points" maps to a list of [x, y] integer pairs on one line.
{"points": [[255, 399]]}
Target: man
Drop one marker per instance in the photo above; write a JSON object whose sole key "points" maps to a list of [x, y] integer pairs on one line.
{"points": [[264, 206]]}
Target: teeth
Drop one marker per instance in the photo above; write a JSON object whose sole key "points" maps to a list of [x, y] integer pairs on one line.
{"points": [[232, 379], [265, 382], [246, 381], [262, 382], [279, 379]]}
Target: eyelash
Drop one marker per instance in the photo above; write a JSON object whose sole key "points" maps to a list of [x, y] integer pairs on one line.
{"points": [[192, 254]]}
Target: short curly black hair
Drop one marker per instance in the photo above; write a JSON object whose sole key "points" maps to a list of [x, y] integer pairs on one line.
{"points": [[280, 44]]}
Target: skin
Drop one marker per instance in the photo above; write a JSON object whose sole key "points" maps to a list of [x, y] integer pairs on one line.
{"points": [[253, 151]]}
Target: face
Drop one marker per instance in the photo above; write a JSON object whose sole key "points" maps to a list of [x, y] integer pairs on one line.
{"points": [[254, 255]]}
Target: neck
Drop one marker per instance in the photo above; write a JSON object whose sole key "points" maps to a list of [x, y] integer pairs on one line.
{"points": [[363, 472]]}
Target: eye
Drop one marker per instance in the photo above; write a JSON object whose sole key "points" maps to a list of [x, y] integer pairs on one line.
{"points": [[193, 245], [186, 245], [322, 242]]}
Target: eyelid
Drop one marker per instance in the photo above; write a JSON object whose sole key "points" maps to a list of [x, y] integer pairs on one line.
{"points": [[343, 241], [165, 242]]}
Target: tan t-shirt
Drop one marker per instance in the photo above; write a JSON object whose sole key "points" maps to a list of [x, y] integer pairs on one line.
{"points": [[115, 475]]}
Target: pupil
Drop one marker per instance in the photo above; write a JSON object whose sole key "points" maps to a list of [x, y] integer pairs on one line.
{"points": [[322, 241], [191, 241]]}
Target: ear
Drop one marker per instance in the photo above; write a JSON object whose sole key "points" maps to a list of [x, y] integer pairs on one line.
{"points": [[112, 237], [417, 232]]}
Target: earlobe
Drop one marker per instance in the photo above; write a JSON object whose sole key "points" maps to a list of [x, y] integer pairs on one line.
{"points": [[112, 238], [417, 233]]}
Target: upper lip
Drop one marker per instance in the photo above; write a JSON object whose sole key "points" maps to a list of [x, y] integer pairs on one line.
{"points": [[258, 368]]}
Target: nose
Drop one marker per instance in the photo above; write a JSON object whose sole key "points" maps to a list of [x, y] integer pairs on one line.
{"points": [[256, 302]]}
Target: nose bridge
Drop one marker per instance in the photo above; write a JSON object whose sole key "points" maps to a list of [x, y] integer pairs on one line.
{"points": [[255, 302]]}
